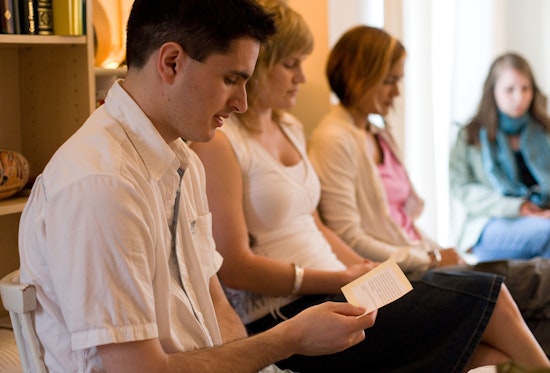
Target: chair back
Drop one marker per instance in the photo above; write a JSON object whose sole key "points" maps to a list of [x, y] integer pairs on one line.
{"points": [[20, 301]]}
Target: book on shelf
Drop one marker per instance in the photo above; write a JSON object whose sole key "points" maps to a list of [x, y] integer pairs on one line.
{"points": [[68, 17], [27, 17], [44, 17], [7, 10]]}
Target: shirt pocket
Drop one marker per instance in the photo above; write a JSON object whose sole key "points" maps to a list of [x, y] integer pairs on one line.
{"points": [[201, 233]]}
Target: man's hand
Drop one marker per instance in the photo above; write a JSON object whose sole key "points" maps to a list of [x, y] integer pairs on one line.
{"points": [[319, 330], [327, 328]]}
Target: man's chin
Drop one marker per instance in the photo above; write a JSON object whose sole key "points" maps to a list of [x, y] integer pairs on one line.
{"points": [[208, 137], [202, 138]]}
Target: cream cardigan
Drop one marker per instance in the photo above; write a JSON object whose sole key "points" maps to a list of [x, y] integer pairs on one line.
{"points": [[353, 198]]}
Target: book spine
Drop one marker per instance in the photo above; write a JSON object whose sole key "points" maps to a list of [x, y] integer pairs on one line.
{"points": [[83, 11], [27, 13], [17, 16], [7, 16], [44, 17], [67, 17]]}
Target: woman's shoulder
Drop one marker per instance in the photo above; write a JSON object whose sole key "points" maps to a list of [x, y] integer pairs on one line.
{"points": [[334, 128], [337, 120], [462, 134]]}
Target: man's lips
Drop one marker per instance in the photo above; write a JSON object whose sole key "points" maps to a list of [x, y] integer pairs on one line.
{"points": [[219, 118]]}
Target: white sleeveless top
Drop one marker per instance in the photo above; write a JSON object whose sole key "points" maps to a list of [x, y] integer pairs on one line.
{"points": [[278, 205]]}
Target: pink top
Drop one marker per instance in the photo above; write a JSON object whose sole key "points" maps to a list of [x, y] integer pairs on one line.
{"points": [[397, 186]]}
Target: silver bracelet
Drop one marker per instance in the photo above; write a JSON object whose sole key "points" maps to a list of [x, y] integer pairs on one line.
{"points": [[298, 277]]}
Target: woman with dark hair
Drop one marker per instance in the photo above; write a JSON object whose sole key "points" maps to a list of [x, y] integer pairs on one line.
{"points": [[500, 167], [371, 206]]}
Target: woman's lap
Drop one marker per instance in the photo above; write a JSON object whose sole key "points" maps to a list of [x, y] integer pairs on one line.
{"points": [[434, 328], [514, 238]]}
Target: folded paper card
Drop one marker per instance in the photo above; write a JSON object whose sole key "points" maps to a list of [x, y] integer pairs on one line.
{"points": [[378, 287]]}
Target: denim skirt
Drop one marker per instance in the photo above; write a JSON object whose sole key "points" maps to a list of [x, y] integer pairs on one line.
{"points": [[434, 328]]}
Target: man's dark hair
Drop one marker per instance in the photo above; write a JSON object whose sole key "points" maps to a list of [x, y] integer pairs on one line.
{"points": [[200, 27]]}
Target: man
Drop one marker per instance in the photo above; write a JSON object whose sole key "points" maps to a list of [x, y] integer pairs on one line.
{"points": [[116, 234]]}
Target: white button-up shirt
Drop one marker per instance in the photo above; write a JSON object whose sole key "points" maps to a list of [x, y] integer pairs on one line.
{"points": [[95, 240]]}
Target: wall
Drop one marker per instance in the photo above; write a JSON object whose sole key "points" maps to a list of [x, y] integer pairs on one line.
{"points": [[314, 98], [110, 27]]}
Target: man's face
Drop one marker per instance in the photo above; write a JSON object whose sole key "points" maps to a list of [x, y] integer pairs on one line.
{"points": [[207, 92]]}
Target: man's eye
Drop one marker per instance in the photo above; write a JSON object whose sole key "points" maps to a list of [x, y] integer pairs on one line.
{"points": [[230, 81]]}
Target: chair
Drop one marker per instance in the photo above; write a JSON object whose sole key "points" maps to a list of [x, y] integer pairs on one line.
{"points": [[20, 301]]}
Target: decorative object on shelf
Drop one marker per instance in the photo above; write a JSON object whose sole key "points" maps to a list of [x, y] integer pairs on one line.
{"points": [[109, 25], [14, 172]]}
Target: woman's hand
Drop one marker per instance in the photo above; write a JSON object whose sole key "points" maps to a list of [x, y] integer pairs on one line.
{"points": [[528, 208], [356, 270], [449, 257], [370, 262]]}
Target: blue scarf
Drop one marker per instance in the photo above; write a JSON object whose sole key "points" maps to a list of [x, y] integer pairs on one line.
{"points": [[500, 164]]}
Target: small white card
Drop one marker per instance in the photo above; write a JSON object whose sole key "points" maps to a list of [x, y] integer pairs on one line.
{"points": [[378, 287]]}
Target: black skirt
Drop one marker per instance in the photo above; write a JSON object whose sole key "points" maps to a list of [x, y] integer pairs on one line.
{"points": [[434, 328]]}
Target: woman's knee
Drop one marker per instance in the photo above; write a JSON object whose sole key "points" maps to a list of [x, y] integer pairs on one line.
{"points": [[508, 303]]}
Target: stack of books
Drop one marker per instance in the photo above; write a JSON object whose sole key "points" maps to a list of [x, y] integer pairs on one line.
{"points": [[43, 17]]}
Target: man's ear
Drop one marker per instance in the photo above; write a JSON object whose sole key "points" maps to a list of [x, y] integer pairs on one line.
{"points": [[170, 59]]}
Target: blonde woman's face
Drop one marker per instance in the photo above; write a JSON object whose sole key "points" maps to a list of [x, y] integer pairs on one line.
{"points": [[513, 92], [283, 83]]}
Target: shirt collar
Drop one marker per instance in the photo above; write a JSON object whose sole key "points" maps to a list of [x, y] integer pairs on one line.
{"points": [[157, 155]]}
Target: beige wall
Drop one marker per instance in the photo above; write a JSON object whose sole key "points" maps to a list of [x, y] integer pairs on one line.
{"points": [[314, 98]]}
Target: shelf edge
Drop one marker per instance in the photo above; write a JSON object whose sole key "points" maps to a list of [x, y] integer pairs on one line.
{"points": [[12, 205], [13, 39]]}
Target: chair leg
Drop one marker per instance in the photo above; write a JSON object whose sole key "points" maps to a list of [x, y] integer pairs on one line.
{"points": [[20, 340]]}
